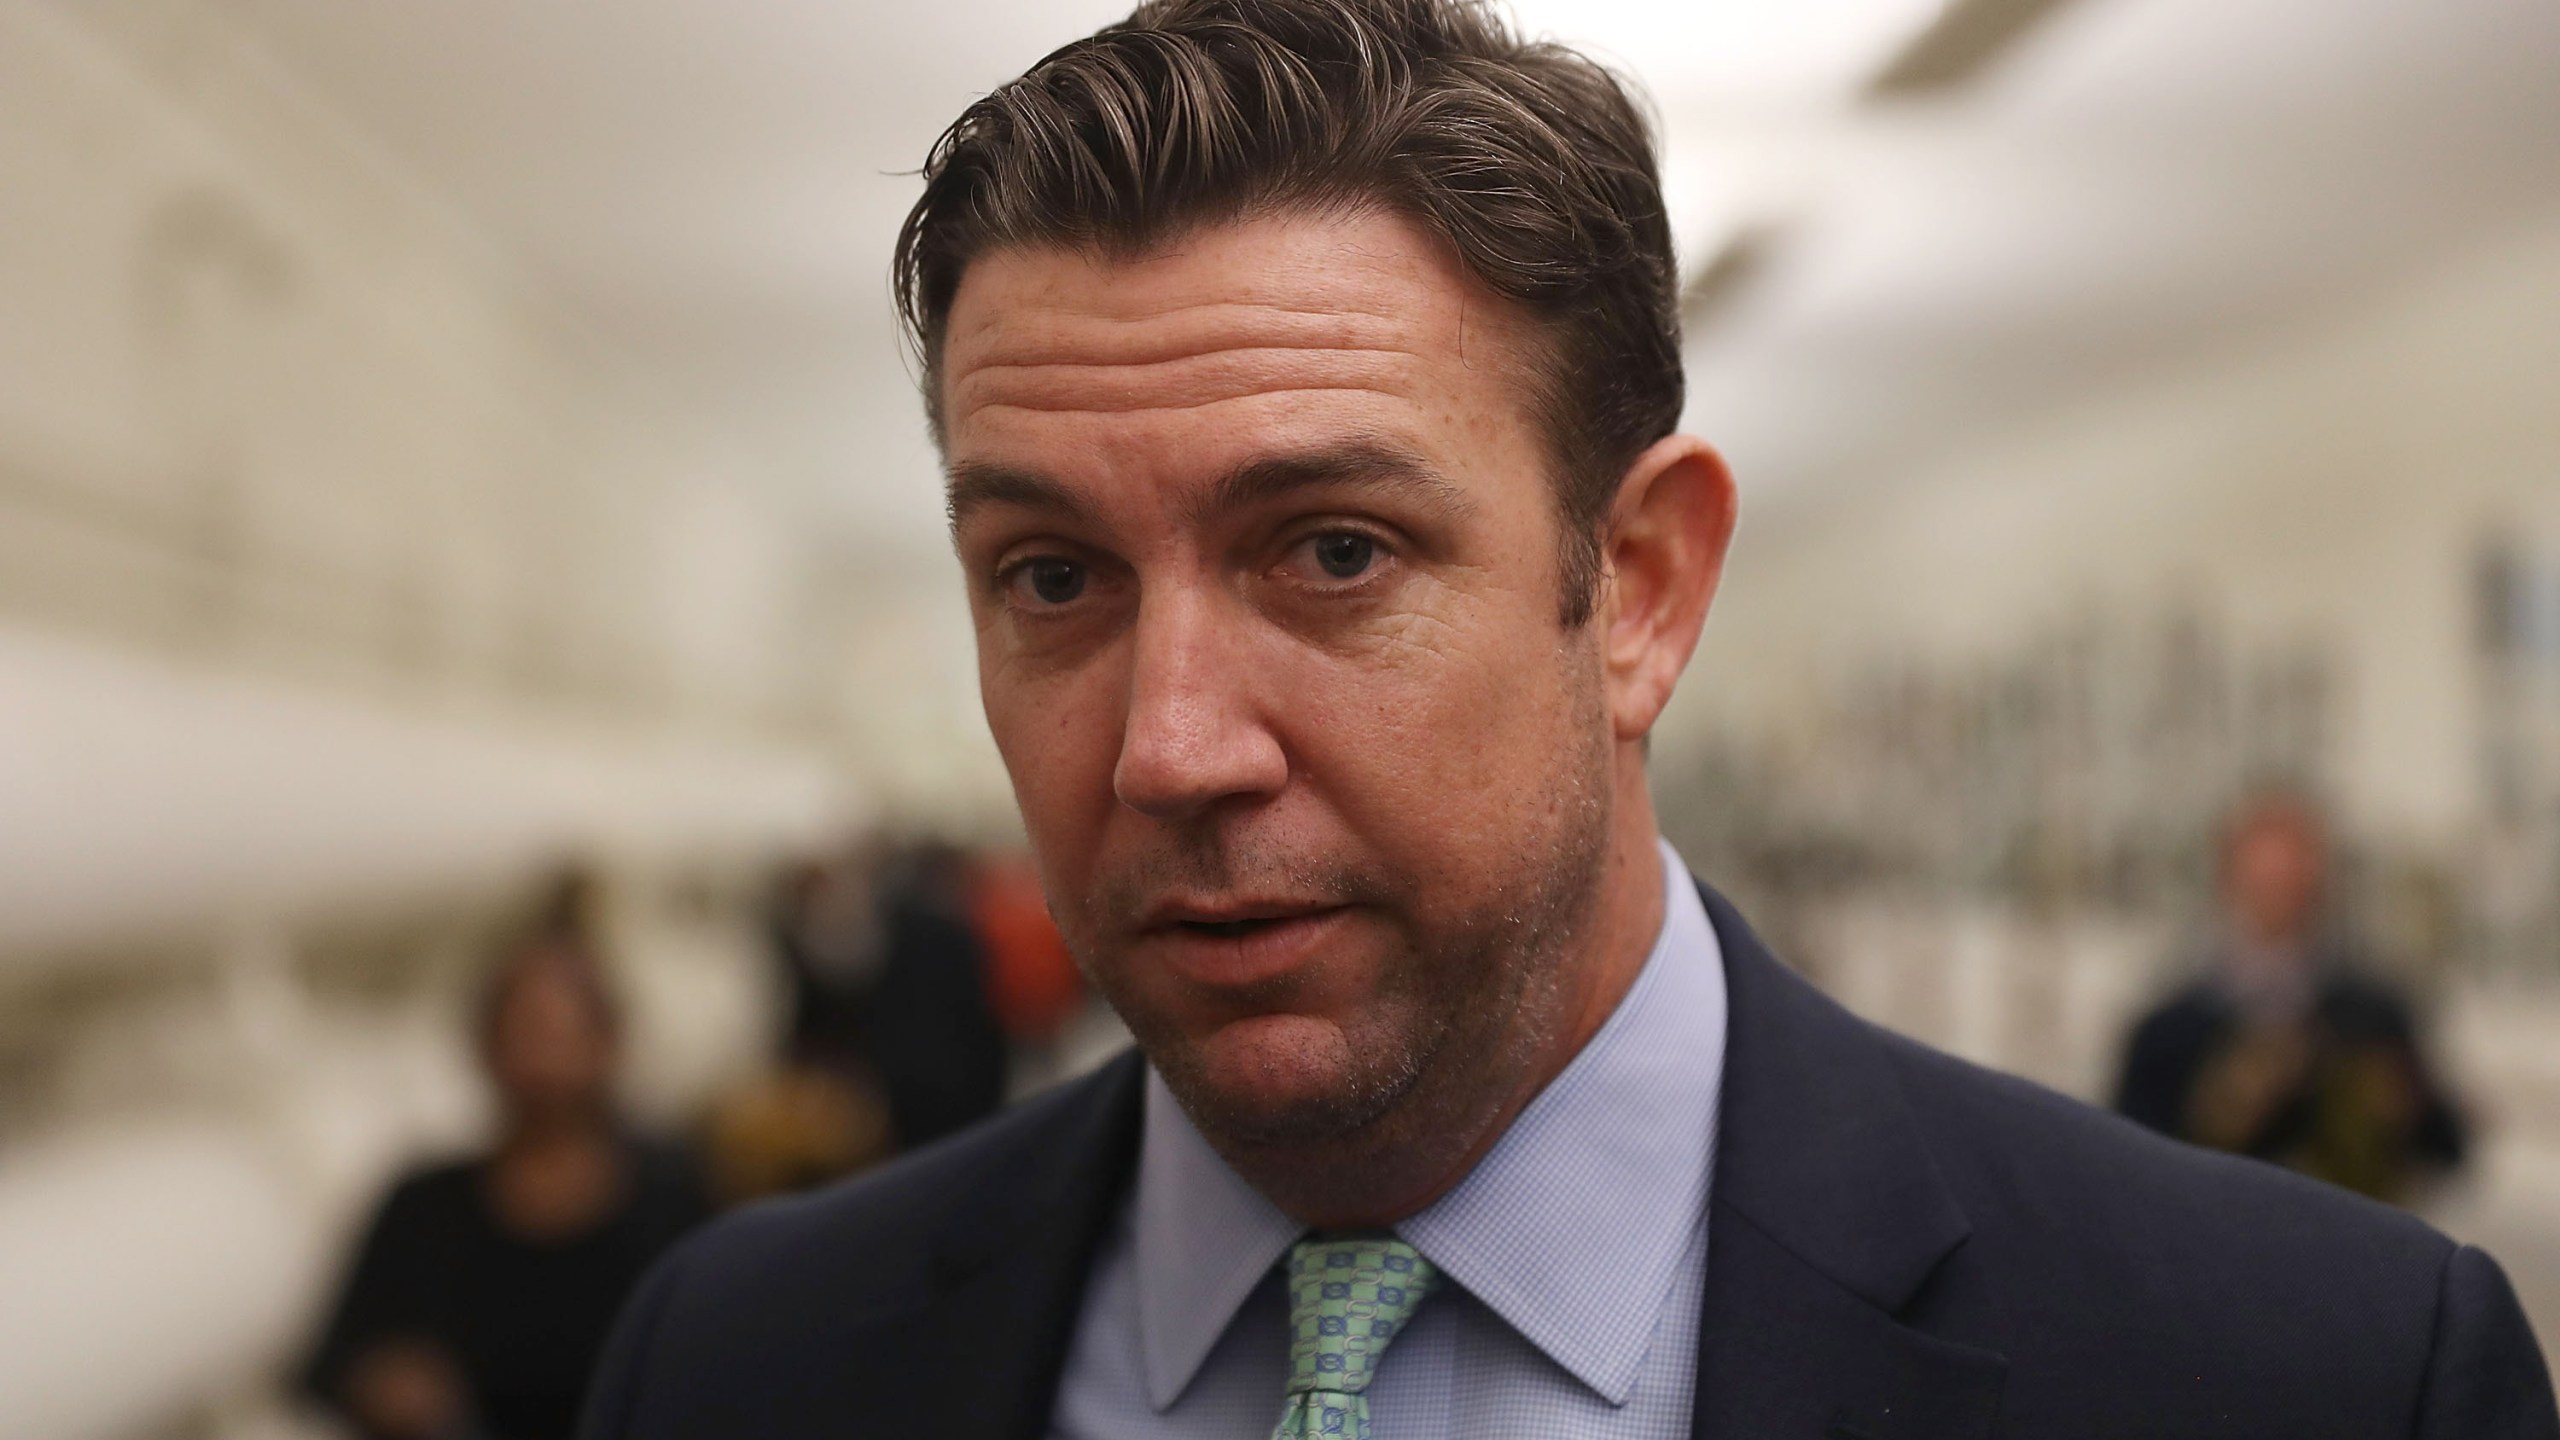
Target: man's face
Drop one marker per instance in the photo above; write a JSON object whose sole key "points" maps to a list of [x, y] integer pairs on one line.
{"points": [[1263, 555], [550, 1049], [2277, 864]]}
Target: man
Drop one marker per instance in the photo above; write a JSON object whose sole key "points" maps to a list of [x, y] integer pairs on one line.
{"points": [[1307, 374], [2283, 1048]]}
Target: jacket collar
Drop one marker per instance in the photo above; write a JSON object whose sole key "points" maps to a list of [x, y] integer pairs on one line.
{"points": [[1830, 1221], [1820, 1149], [1061, 1189], [1009, 1264]]}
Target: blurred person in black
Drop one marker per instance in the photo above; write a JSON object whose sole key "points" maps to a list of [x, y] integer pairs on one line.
{"points": [[2286, 1047], [888, 986], [483, 1289], [892, 1038], [929, 1026]]}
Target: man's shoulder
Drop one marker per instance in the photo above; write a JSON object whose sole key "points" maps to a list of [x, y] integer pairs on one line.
{"points": [[2211, 1294], [2074, 1199], [2079, 1202], [2096, 1268]]}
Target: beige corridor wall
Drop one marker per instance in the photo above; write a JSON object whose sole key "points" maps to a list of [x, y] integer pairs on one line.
{"points": [[279, 428], [2332, 483], [262, 398]]}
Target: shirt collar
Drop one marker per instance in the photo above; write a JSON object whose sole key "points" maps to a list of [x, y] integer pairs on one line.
{"points": [[1572, 1228], [1205, 1239]]}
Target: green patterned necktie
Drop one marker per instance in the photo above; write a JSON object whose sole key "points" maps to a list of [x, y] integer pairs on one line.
{"points": [[1348, 1296]]}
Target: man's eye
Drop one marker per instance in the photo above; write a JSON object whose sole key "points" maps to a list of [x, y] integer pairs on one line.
{"points": [[1343, 555], [1049, 579]]}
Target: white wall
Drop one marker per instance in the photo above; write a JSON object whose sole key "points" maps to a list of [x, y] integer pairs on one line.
{"points": [[2331, 483], [260, 399], [303, 485]]}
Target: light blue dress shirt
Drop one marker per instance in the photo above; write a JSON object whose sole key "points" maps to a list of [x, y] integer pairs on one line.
{"points": [[1576, 1253]]}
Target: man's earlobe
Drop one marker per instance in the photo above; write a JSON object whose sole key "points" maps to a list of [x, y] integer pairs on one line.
{"points": [[1667, 537]]}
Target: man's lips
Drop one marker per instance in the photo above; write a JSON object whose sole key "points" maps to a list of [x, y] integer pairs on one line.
{"points": [[1241, 943], [1167, 913]]}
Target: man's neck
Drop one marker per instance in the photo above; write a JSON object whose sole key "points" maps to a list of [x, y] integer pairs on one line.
{"points": [[1625, 925]]}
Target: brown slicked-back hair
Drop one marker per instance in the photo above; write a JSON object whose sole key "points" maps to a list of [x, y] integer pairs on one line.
{"points": [[1532, 162]]}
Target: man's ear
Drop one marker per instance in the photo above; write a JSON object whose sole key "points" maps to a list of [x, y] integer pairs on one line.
{"points": [[1663, 552]]}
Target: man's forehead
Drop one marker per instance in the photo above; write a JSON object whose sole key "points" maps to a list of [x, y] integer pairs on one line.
{"points": [[1278, 305], [1368, 266]]}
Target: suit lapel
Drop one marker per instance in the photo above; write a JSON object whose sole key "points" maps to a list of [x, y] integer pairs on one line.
{"points": [[1009, 1272], [1829, 1218]]}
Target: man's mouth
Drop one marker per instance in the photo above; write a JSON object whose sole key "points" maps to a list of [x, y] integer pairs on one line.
{"points": [[1228, 929], [1230, 918], [1243, 944]]}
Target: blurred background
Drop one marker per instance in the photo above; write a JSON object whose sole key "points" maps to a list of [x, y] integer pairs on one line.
{"points": [[473, 589]]}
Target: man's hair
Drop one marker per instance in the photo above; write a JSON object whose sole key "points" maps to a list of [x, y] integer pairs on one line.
{"points": [[1532, 162]]}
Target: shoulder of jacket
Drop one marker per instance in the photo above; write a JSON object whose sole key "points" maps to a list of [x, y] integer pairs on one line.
{"points": [[2054, 1171]]}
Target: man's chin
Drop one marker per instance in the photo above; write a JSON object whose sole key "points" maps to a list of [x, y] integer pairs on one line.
{"points": [[1271, 1080]]}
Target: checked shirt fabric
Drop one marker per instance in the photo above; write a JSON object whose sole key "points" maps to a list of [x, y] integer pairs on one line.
{"points": [[1348, 1296]]}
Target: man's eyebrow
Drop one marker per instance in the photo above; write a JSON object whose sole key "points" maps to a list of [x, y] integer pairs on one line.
{"points": [[974, 484], [1370, 464]]}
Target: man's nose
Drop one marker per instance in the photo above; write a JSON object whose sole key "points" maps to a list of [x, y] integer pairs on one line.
{"points": [[1195, 733]]}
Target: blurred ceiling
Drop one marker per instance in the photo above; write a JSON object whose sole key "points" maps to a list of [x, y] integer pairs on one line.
{"points": [[2100, 185]]}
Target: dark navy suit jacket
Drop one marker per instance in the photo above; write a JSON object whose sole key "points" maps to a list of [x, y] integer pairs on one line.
{"points": [[1901, 1246]]}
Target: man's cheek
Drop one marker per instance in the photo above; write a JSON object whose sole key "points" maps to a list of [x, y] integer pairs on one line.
{"points": [[1430, 620], [1066, 805], [1052, 723], [1419, 705]]}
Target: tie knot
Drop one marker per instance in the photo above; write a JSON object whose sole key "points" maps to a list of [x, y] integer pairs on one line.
{"points": [[1348, 1296]]}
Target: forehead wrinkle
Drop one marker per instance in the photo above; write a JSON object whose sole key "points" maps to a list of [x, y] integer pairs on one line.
{"points": [[1072, 357], [1189, 383], [1166, 407], [1036, 334]]}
